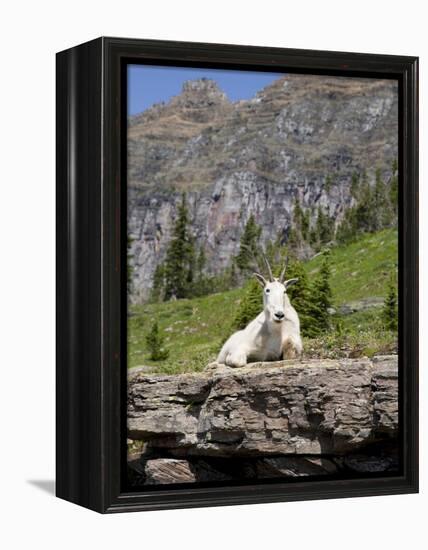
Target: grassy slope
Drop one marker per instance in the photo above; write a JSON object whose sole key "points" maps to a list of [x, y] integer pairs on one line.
{"points": [[361, 269], [195, 329]]}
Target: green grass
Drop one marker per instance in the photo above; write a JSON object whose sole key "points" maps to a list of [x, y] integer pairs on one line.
{"points": [[357, 335], [361, 269], [195, 329]]}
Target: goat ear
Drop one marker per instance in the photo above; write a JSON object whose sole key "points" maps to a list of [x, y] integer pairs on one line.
{"points": [[260, 279], [290, 282]]}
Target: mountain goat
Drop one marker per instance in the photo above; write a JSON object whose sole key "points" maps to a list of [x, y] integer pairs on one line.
{"points": [[274, 334]]}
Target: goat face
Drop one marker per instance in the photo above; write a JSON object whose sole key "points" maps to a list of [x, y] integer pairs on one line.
{"points": [[275, 299]]}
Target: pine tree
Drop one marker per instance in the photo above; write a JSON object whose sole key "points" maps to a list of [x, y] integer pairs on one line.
{"points": [[390, 307], [155, 341], [225, 281], [375, 208], [276, 253], [232, 275], [354, 185], [251, 305], [201, 262], [381, 212], [201, 283], [347, 230], [271, 250], [328, 183], [322, 294], [306, 221], [293, 239], [180, 257], [313, 236], [300, 228], [324, 227], [297, 214], [249, 244], [301, 298], [364, 210], [158, 286]]}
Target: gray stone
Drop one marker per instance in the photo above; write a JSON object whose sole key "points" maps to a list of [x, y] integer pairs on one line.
{"points": [[316, 407], [361, 305], [139, 369], [168, 470], [161, 471]]}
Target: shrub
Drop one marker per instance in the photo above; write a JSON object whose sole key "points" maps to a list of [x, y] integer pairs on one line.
{"points": [[155, 341], [390, 307]]}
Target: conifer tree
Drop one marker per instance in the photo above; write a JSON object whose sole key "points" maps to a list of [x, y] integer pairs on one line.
{"points": [[227, 280], [381, 211], [302, 299], [306, 221], [390, 307], [250, 306], [271, 251], [378, 189], [158, 286], [155, 342], [354, 185], [347, 230], [313, 236], [375, 208], [232, 275], [201, 283], [201, 261], [322, 294], [293, 240], [300, 228], [324, 227], [364, 210], [180, 257], [249, 244]]}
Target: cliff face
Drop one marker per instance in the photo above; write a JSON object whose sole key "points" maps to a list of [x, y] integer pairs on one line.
{"points": [[266, 420], [251, 157]]}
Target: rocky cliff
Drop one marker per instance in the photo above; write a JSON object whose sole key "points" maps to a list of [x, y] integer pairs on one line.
{"points": [[251, 157], [265, 420]]}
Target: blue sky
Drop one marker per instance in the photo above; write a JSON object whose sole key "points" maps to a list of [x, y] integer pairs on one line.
{"points": [[150, 84]]}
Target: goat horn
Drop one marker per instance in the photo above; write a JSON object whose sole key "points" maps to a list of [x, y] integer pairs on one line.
{"points": [[271, 278], [284, 269]]}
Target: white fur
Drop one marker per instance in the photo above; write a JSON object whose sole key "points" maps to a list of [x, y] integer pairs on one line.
{"points": [[266, 338]]}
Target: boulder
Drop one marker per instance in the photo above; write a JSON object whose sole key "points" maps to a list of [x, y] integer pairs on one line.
{"points": [[266, 420], [313, 407]]}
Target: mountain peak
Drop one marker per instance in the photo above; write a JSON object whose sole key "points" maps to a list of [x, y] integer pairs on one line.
{"points": [[204, 85], [203, 91]]}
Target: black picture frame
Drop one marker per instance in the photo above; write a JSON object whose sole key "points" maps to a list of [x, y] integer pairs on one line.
{"points": [[91, 378]]}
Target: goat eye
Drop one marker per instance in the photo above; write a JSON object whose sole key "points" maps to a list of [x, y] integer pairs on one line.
{"points": [[267, 291]]}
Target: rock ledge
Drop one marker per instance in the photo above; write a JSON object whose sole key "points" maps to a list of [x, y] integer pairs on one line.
{"points": [[283, 418]]}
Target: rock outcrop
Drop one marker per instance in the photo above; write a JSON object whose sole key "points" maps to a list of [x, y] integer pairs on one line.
{"points": [[277, 419], [251, 157]]}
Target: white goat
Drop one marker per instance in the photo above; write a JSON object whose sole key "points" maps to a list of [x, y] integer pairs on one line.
{"points": [[274, 334]]}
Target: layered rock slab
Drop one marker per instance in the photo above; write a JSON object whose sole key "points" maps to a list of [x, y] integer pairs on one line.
{"points": [[316, 408]]}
